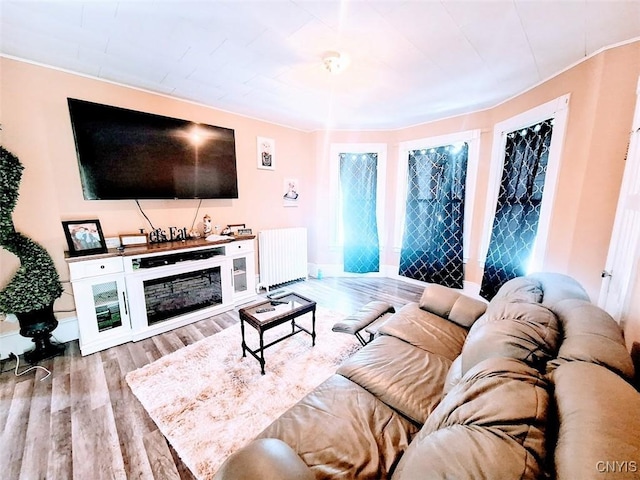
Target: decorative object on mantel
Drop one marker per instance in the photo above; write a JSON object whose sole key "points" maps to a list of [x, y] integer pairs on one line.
{"points": [[134, 239], [291, 192], [266, 153], [237, 229], [33, 289], [225, 401], [175, 234], [84, 237], [208, 228]]}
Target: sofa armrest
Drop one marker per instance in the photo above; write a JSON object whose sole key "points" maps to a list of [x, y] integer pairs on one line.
{"points": [[264, 459], [451, 304], [598, 419]]}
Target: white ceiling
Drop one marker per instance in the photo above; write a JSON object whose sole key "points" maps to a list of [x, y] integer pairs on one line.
{"points": [[411, 61]]}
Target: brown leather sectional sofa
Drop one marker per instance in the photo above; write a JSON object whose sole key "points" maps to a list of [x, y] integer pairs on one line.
{"points": [[536, 384]]}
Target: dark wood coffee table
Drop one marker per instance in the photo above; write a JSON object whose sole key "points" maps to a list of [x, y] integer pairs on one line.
{"points": [[295, 306]]}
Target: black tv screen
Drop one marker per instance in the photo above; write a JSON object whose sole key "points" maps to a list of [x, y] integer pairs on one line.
{"points": [[125, 154]]}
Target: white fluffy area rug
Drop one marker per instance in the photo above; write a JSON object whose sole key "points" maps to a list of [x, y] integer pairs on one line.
{"points": [[209, 401]]}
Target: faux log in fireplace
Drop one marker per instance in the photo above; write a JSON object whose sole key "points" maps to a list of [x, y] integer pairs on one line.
{"points": [[175, 295]]}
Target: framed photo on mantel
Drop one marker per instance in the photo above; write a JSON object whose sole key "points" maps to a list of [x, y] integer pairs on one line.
{"points": [[84, 237], [266, 153]]}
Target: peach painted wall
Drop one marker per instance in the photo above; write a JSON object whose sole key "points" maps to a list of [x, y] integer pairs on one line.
{"points": [[602, 93], [36, 128], [600, 114]]}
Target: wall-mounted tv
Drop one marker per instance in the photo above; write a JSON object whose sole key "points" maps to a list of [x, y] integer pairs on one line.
{"points": [[125, 154]]}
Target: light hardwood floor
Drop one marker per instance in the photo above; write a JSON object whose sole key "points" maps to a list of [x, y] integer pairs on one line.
{"points": [[84, 423]]}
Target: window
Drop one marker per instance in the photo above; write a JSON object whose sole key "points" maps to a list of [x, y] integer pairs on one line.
{"points": [[432, 241], [557, 110], [380, 149], [472, 139], [358, 187], [517, 214]]}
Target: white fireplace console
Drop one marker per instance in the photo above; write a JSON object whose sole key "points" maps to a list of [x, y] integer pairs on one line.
{"points": [[143, 291]]}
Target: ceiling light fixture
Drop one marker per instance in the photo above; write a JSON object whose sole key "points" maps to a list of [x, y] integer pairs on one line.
{"points": [[334, 62]]}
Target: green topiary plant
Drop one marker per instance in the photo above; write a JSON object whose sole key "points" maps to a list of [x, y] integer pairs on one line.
{"points": [[36, 284], [30, 293]]}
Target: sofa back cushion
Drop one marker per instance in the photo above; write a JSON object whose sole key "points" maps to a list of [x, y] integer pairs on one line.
{"points": [[547, 288], [490, 425], [598, 414], [557, 287], [454, 375], [451, 304], [523, 331], [519, 289], [591, 335]]}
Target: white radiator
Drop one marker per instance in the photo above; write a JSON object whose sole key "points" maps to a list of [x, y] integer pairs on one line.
{"points": [[282, 254]]}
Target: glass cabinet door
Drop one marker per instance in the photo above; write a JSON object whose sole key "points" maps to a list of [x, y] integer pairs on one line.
{"points": [[103, 317], [107, 305], [240, 274]]}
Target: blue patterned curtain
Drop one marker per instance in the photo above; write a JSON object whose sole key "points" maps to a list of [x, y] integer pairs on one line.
{"points": [[432, 241], [518, 209], [358, 184]]}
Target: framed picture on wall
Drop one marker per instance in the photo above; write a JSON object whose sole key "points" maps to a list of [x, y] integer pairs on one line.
{"points": [[266, 153], [291, 192], [84, 237]]}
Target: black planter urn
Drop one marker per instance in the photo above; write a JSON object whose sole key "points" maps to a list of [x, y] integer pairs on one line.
{"points": [[38, 325]]}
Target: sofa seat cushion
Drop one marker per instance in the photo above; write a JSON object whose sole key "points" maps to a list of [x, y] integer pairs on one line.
{"points": [[599, 421], [408, 379], [591, 335], [425, 330], [490, 425], [343, 432], [524, 331]]}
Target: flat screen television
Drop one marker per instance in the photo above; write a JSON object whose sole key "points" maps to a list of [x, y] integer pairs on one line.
{"points": [[125, 154]]}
